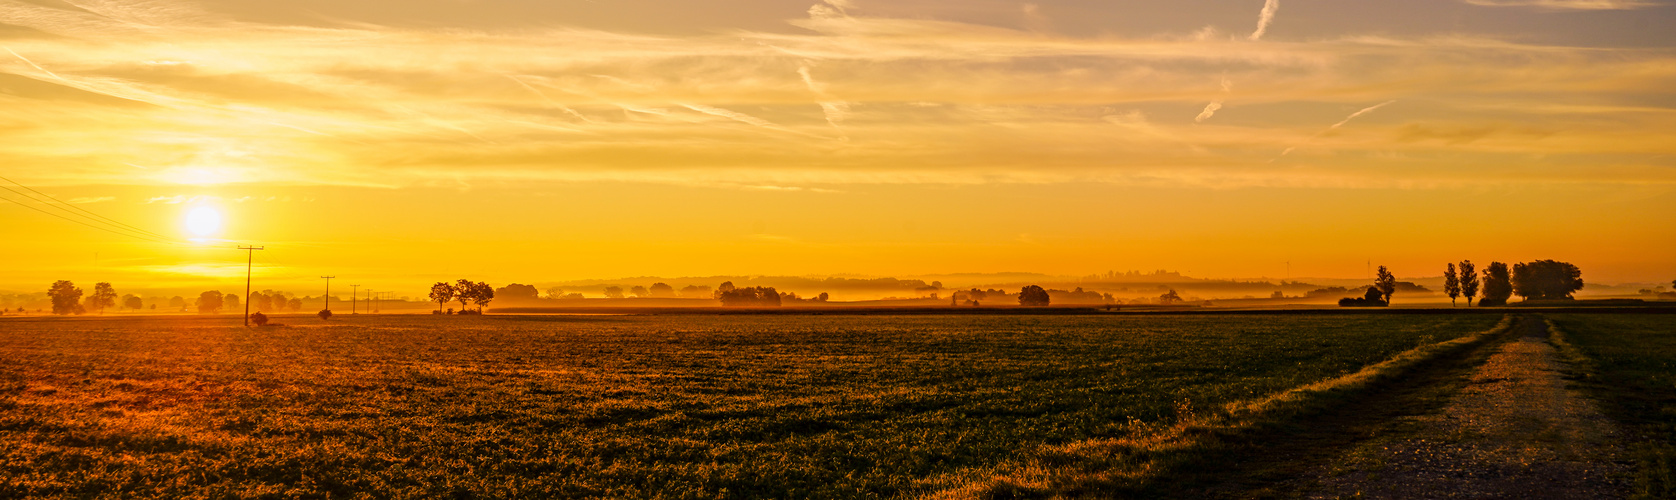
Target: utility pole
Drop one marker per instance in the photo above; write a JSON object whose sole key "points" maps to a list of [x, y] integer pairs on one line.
{"points": [[354, 293], [249, 255], [328, 291]]}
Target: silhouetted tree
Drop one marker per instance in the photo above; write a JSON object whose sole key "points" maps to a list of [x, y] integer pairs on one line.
{"points": [[1451, 284], [209, 302], [132, 302], [66, 298], [261, 302], [1373, 298], [464, 293], [442, 292], [1469, 281], [555, 292], [696, 292], [177, 303], [1498, 285], [483, 293], [229, 301], [613, 292], [758, 296], [822, 297], [1546, 279], [259, 319], [1033, 296], [639, 292], [726, 286], [517, 292], [324, 314], [295, 304], [1386, 283], [1170, 297], [661, 290], [103, 296]]}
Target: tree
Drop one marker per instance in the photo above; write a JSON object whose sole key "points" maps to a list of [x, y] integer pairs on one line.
{"points": [[261, 302], [1386, 283], [517, 292], [1498, 285], [230, 301], [1451, 284], [613, 292], [639, 292], [259, 319], [177, 303], [295, 304], [1169, 297], [209, 302], [464, 292], [1373, 298], [661, 290], [442, 292], [1469, 281], [324, 314], [104, 295], [132, 302], [759, 296], [66, 298], [696, 292], [1033, 296], [1546, 279], [482, 294], [822, 297], [726, 286]]}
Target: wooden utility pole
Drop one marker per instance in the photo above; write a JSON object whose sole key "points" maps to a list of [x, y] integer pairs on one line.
{"points": [[328, 291], [354, 293], [250, 255]]}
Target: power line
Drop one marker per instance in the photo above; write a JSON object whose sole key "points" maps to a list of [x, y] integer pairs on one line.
{"points": [[101, 228], [83, 210]]}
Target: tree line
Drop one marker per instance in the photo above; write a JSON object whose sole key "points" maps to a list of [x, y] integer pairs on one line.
{"points": [[1538, 280], [69, 299], [466, 292]]}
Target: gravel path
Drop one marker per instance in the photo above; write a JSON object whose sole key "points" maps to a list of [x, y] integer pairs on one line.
{"points": [[1515, 431]]}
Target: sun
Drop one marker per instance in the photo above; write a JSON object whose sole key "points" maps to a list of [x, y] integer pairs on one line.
{"points": [[203, 221]]}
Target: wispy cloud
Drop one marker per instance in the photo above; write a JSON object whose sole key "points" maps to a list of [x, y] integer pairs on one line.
{"points": [[1567, 4]]}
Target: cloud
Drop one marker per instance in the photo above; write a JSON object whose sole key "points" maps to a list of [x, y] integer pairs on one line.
{"points": [[1567, 4], [88, 199], [911, 100], [1264, 18], [1363, 111]]}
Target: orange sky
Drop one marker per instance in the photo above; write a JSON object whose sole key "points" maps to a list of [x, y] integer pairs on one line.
{"points": [[397, 143]]}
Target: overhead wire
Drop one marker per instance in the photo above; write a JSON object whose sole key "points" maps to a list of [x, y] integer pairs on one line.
{"points": [[101, 228], [83, 210]]}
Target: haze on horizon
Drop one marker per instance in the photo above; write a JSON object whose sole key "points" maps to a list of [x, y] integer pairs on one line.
{"points": [[400, 143]]}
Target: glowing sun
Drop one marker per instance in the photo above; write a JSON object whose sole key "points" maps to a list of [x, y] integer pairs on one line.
{"points": [[203, 221]]}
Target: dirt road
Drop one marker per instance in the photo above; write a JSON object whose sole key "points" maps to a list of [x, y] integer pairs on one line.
{"points": [[1515, 431]]}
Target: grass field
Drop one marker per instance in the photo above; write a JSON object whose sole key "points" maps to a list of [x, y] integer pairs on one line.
{"points": [[1629, 363], [624, 406]]}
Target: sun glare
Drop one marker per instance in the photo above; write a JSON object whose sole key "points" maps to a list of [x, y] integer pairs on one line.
{"points": [[203, 221]]}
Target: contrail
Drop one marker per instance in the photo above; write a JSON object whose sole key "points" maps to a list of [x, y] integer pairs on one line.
{"points": [[1335, 126], [32, 63], [1353, 116], [1215, 104], [1264, 18]]}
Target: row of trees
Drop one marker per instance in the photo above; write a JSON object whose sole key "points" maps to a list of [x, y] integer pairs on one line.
{"points": [[1539, 280], [67, 298], [465, 291]]}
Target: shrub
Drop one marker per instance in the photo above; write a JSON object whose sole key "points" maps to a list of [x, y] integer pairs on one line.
{"points": [[325, 314], [259, 319]]}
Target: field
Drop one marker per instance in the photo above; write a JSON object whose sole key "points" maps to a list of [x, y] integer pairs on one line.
{"points": [[1629, 363], [698, 406]]}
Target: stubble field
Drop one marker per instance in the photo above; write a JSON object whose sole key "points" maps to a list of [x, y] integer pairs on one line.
{"points": [[625, 406]]}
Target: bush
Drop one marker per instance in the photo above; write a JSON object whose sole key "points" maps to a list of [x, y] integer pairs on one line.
{"points": [[1373, 298], [325, 314], [259, 319], [1488, 302]]}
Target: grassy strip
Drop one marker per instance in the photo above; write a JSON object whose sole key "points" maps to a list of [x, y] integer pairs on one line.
{"points": [[1625, 363], [1128, 466]]}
